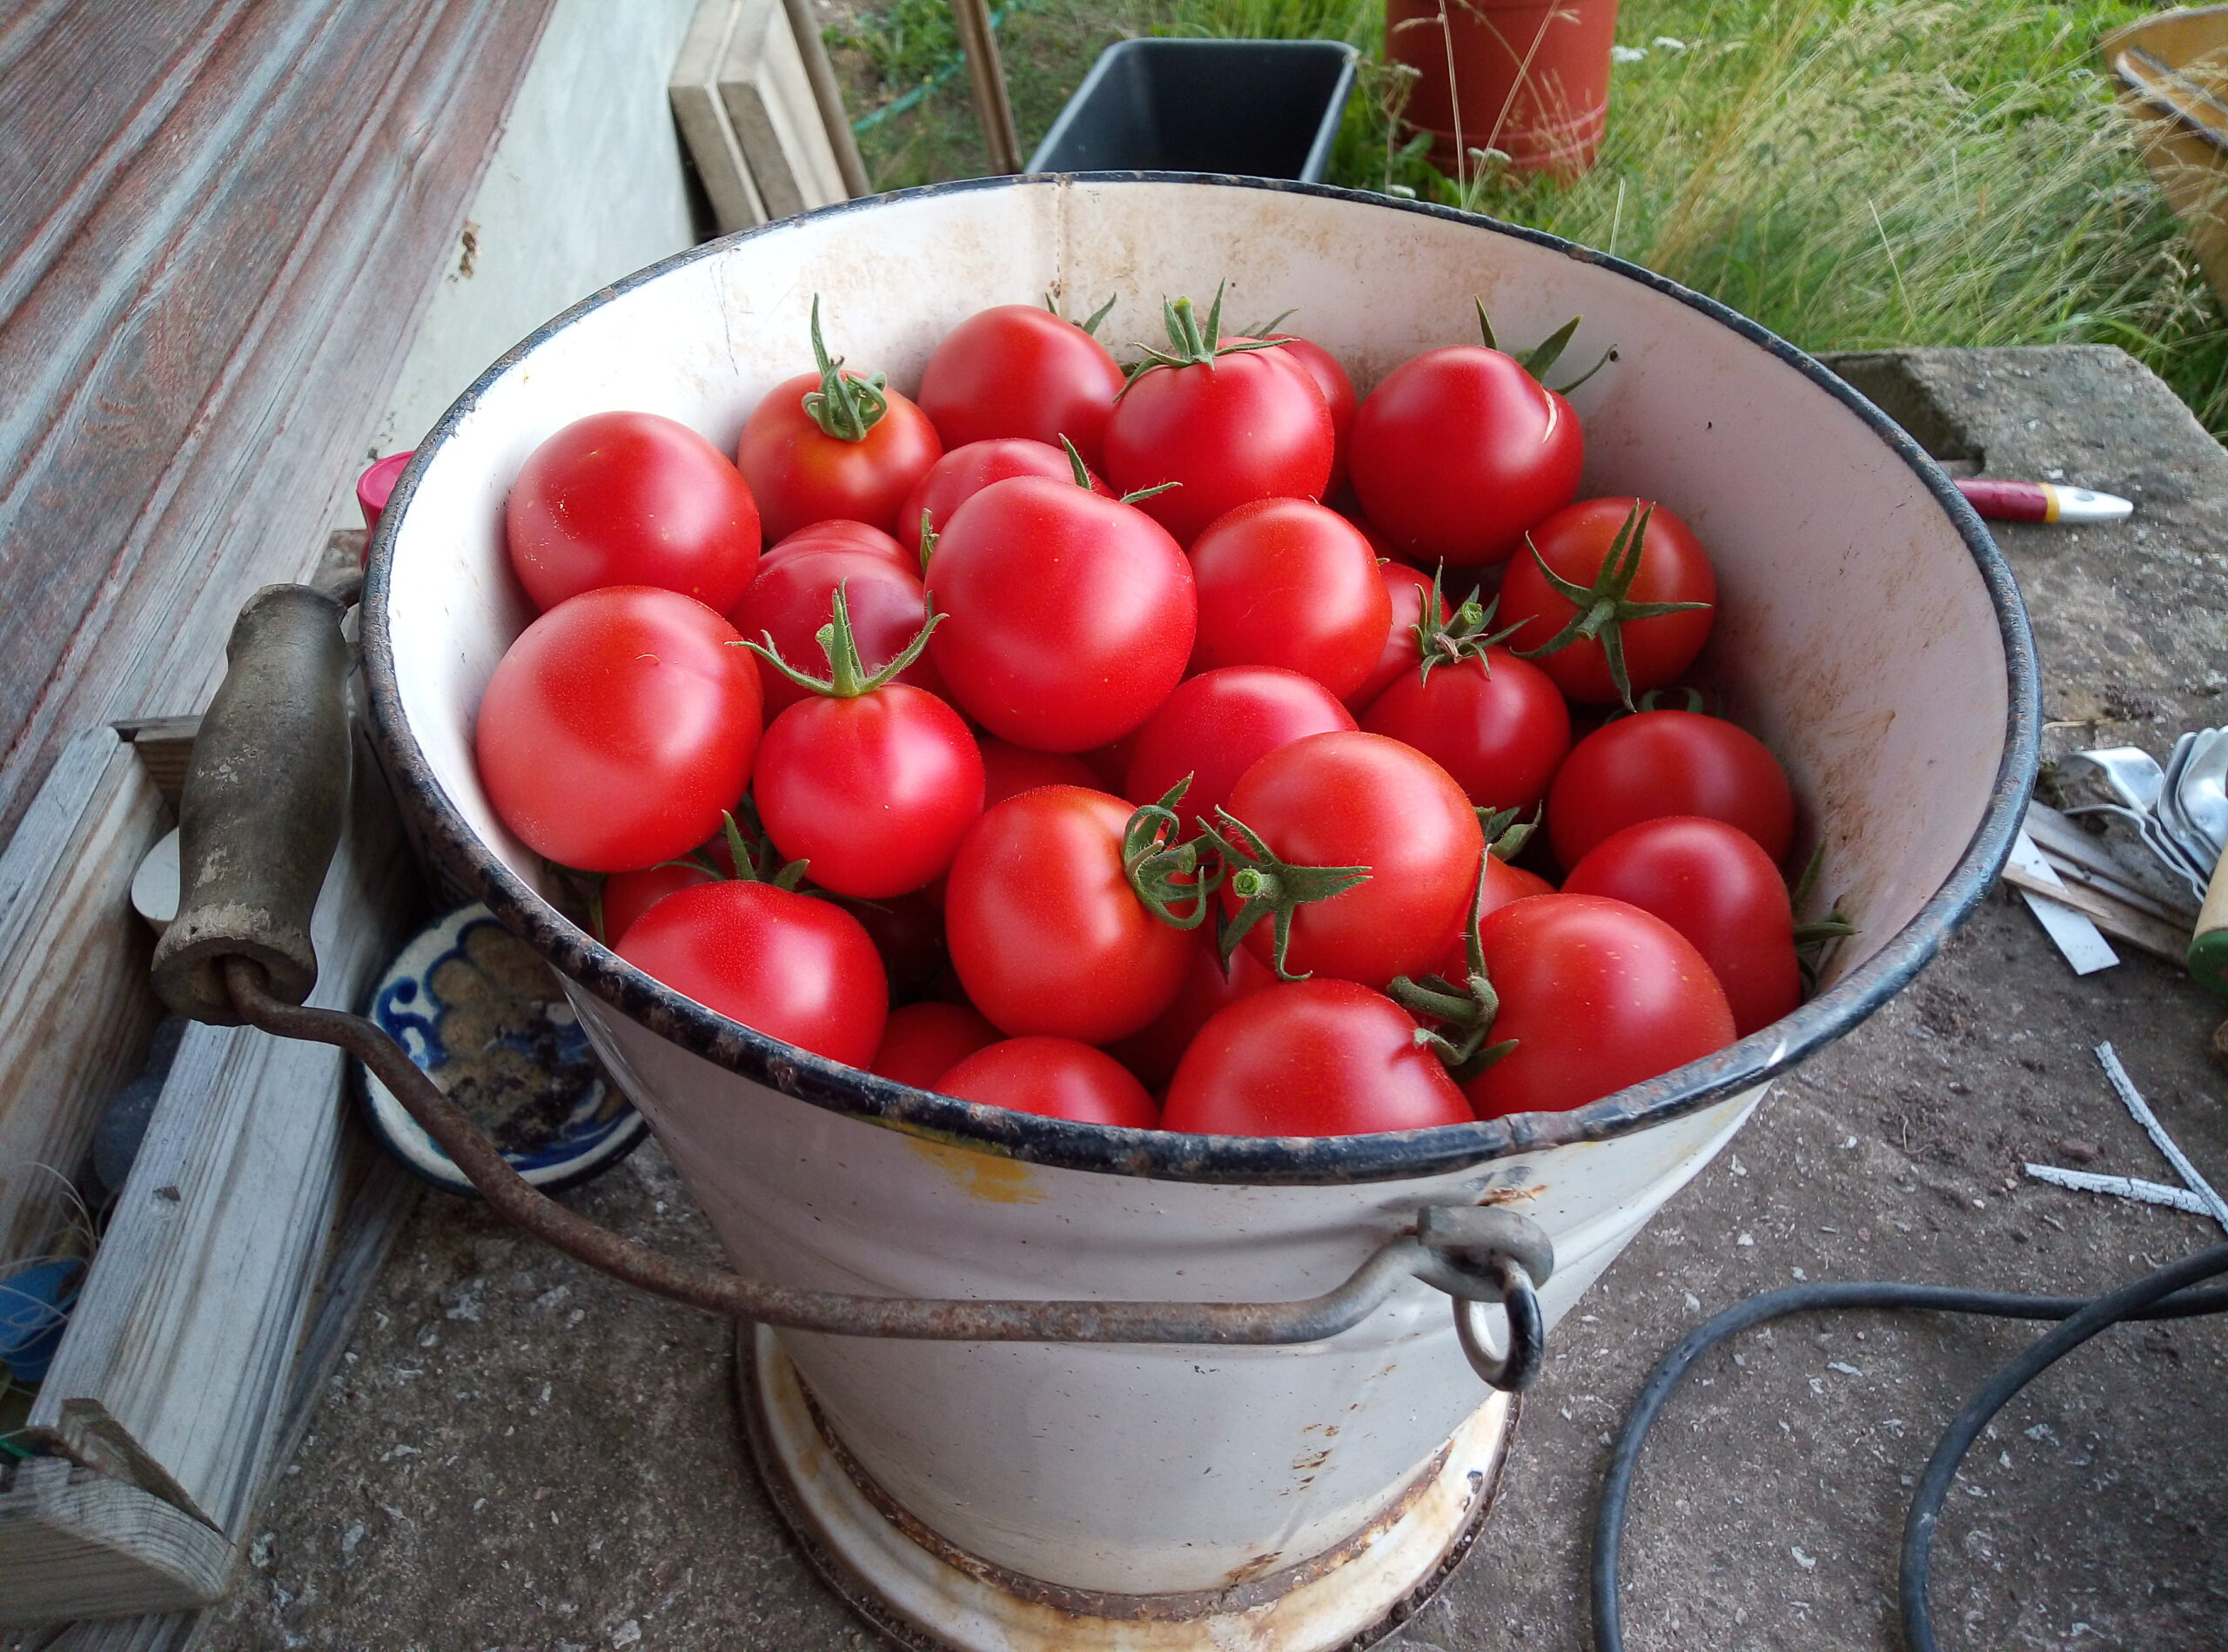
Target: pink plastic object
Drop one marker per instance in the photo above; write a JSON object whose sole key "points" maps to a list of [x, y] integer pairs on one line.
{"points": [[376, 486]]}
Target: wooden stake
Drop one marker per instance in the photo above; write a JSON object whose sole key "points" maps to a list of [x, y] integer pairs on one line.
{"points": [[987, 77]]}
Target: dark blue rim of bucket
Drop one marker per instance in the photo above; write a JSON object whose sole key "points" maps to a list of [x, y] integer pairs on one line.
{"points": [[1165, 1155]]}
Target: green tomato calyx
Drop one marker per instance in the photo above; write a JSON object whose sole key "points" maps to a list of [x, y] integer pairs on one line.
{"points": [[1165, 871], [847, 677], [847, 405], [1269, 887], [1604, 608]]}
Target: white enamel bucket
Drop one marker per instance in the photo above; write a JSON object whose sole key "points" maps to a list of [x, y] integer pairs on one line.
{"points": [[1018, 1495]]}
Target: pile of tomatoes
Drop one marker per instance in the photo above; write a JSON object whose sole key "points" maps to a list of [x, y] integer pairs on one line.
{"points": [[1063, 714]]}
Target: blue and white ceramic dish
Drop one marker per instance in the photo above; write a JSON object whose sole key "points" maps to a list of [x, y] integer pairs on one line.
{"points": [[483, 1017]]}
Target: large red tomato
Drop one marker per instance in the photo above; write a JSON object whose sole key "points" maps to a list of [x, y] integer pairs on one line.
{"points": [[619, 727], [1351, 801], [1286, 582], [795, 595], [1409, 594], [1337, 389], [869, 782], [1669, 762], [795, 968], [1153, 1051], [833, 444], [1596, 995], [1056, 1077], [1070, 616], [1008, 770], [1218, 725], [839, 535], [1458, 451], [1639, 636], [1047, 934], [1712, 884], [1493, 721], [964, 472], [1225, 423], [631, 498], [1311, 1059], [1015, 370], [923, 1042]]}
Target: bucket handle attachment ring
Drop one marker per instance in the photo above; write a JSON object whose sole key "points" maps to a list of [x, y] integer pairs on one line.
{"points": [[261, 817]]}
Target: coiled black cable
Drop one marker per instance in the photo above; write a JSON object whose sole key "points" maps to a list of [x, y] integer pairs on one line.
{"points": [[2163, 1294]]}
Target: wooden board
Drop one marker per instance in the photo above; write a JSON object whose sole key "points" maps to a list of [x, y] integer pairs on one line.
{"points": [[769, 100], [223, 222], [75, 1011], [69, 1532], [177, 1376], [703, 118]]}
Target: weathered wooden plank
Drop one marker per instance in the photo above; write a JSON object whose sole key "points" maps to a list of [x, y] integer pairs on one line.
{"points": [[769, 102], [75, 1009], [68, 1531], [178, 1372], [703, 118], [207, 289]]}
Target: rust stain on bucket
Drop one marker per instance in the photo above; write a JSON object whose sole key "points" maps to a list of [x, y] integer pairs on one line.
{"points": [[981, 1176]]}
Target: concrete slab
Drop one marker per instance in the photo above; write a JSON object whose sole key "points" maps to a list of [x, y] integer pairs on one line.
{"points": [[518, 1453]]}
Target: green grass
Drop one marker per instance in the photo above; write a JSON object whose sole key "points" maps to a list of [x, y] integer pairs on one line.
{"points": [[1854, 174]]}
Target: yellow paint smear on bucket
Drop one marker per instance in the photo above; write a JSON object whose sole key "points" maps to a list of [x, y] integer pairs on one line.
{"points": [[983, 1176]]}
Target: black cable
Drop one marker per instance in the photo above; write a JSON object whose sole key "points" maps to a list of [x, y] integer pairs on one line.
{"points": [[2159, 1295]]}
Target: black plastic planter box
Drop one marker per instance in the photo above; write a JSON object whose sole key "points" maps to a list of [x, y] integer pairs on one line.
{"points": [[1263, 108]]}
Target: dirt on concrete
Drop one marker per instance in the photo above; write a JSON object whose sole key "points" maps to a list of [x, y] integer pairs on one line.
{"points": [[519, 1454]]}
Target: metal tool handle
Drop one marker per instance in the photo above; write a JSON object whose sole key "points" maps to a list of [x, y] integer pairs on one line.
{"points": [[265, 798], [264, 803]]}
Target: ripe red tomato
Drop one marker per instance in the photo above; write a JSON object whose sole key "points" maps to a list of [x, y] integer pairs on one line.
{"points": [[833, 444], [795, 968], [1070, 616], [838, 535], [1286, 582], [1056, 1077], [873, 791], [1337, 394], [1669, 762], [1458, 451], [1218, 725], [1228, 428], [795, 595], [1356, 800], [1712, 884], [1408, 592], [923, 1042], [1008, 770], [1154, 1051], [626, 895], [964, 472], [1597, 994], [1311, 1059], [631, 498], [1046, 933], [1015, 370], [1578, 543], [1495, 723], [908, 930], [619, 727]]}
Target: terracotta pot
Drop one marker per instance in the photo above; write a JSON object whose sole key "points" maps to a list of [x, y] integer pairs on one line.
{"points": [[1530, 80]]}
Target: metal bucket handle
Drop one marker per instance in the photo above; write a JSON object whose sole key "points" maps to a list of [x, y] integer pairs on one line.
{"points": [[264, 804]]}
